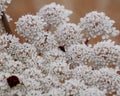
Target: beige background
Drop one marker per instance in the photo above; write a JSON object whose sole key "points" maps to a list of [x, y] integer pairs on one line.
{"points": [[79, 7]]}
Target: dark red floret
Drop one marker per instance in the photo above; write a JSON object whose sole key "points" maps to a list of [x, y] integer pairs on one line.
{"points": [[13, 81]]}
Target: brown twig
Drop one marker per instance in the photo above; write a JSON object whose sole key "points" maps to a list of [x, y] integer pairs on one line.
{"points": [[6, 24]]}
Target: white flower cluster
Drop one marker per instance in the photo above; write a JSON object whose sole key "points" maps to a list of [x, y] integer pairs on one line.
{"points": [[54, 14], [3, 6], [80, 53], [106, 53], [22, 52], [4, 58], [6, 40], [45, 42], [107, 80], [29, 26], [54, 54], [32, 28], [92, 92], [59, 62], [98, 24], [68, 34]]}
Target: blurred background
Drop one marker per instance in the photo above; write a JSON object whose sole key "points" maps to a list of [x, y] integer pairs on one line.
{"points": [[79, 7]]}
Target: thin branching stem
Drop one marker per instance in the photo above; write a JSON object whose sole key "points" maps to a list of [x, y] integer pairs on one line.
{"points": [[6, 24]]}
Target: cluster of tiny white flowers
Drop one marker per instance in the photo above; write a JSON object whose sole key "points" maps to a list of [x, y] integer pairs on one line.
{"points": [[3, 83], [22, 52], [68, 34], [54, 14], [3, 6], [98, 24], [106, 53], [4, 58], [73, 87], [53, 55], [60, 62], [29, 26], [11, 66], [83, 74], [107, 80], [6, 40], [79, 53], [32, 28], [92, 92], [45, 42], [60, 70]]}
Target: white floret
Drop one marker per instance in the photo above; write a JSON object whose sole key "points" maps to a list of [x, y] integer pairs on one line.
{"points": [[80, 53], [54, 14], [106, 53], [68, 34], [29, 26], [98, 24], [3, 6], [6, 40], [92, 92]]}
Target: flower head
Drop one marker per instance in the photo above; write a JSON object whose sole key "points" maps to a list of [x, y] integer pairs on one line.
{"points": [[29, 26], [106, 53], [98, 24], [54, 14], [6, 40], [45, 42], [107, 80], [92, 92], [3, 6], [68, 34], [53, 55], [22, 52], [79, 53]]}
